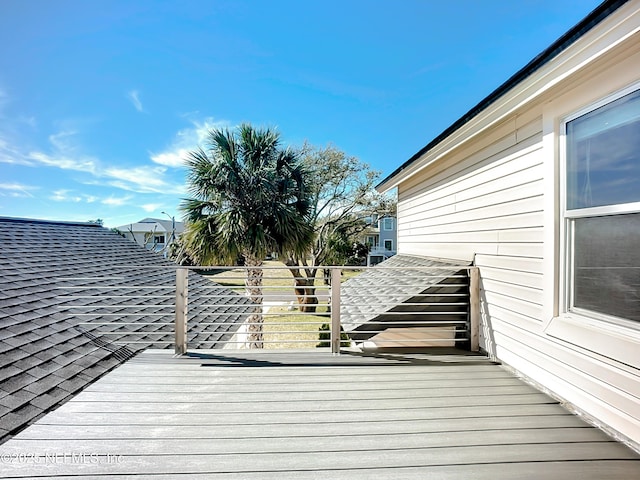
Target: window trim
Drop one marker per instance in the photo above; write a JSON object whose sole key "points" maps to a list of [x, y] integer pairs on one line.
{"points": [[566, 216]]}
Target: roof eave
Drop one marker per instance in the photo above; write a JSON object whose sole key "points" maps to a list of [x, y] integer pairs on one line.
{"points": [[45, 221]]}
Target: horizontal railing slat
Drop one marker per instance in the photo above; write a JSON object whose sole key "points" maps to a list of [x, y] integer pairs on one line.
{"points": [[221, 312]]}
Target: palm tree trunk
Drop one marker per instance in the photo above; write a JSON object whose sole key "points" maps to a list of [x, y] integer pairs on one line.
{"points": [[253, 284]]}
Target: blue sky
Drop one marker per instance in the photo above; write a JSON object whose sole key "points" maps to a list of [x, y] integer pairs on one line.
{"points": [[100, 99]]}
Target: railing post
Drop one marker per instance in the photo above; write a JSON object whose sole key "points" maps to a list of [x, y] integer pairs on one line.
{"points": [[182, 288], [474, 307], [335, 310]]}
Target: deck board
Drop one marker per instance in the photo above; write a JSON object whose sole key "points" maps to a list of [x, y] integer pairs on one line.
{"points": [[304, 415], [327, 443]]}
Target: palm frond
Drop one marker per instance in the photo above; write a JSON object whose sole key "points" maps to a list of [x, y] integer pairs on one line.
{"points": [[249, 196]]}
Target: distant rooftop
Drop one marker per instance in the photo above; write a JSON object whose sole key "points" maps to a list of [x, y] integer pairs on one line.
{"points": [[147, 224]]}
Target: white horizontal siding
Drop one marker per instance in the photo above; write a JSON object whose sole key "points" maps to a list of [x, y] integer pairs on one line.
{"points": [[490, 191], [494, 298], [477, 180], [498, 221], [602, 368], [511, 264], [455, 213], [610, 394], [447, 250], [517, 277], [490, 206], [513, 290]]}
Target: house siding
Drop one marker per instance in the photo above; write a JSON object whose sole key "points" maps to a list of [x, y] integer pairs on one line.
{"points": [[490, 206], [491, 193]]}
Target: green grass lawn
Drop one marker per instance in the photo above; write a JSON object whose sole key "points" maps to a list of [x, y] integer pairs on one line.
{"points": [[272, 277], [292, 329], [287, 329]]}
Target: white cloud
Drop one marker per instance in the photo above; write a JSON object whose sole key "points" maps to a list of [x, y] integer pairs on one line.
{"points": [[171, 159], [11, 128], [144, 176], [64, 195], [62, 141], [65, 163], [141, 179], [16, 190], [11, 155], [151, 207], [116, 201], [65, 155], [203, 128], [186, 140], [134, 96]]}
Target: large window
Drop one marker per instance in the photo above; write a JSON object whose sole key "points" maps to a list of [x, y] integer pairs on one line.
{"points": [[602, 209]]}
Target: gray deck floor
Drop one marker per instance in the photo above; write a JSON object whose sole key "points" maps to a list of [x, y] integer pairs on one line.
{"points": [[246, 415]]}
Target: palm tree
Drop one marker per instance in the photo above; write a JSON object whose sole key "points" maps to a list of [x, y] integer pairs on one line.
{"points": [[249, 199]]}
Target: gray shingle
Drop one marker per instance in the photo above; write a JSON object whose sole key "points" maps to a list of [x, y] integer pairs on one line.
{"points": [[8, 372], [46, 349], [17, 399], [16, 418], [50, 399], [16, 382], [400, 279]]}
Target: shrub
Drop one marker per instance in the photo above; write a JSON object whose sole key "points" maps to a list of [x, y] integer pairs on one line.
{"points": [[325, 337]]}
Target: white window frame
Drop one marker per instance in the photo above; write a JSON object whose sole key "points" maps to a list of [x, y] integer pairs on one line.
{"points": [[567, 216], [387, 224], [390, 249]]}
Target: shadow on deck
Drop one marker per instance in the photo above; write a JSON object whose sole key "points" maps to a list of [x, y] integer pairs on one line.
{"points": [[445, 414], [391, 356]]}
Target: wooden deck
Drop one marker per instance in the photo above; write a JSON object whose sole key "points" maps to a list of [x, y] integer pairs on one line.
{"points": [[249, 415]]}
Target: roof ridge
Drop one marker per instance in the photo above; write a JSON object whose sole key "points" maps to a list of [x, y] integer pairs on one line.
{"points": [[49, 222]]}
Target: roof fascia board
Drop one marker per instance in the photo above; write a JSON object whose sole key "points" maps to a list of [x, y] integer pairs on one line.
{"points": [[538, 76]]}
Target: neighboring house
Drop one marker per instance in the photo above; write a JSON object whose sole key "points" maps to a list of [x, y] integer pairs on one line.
{"points": [[381, 238], [539, 185], [154, 234], [61, 328]]}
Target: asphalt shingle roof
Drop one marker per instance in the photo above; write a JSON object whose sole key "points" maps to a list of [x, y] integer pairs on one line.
{"points": [[60, 329], [394, 286]]}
